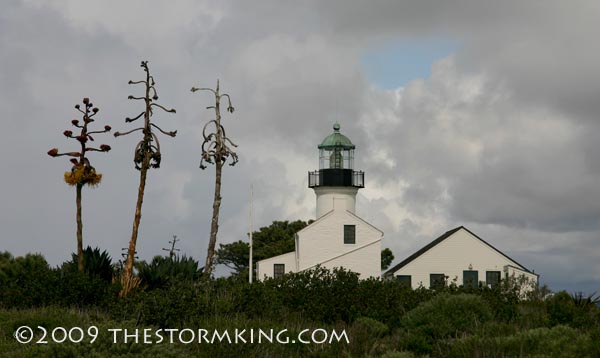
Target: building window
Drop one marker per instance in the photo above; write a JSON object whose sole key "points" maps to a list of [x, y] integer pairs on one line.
{"points": [[437, 280], [349, 234], [492, 278], [405, 280], [470, 278], [278, 270]]}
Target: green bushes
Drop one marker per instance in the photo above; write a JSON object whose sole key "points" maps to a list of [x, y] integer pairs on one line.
{"points": [[30, 282], [382, 318], [25, 281], [446, 316], [558, 341], [162, 271]]}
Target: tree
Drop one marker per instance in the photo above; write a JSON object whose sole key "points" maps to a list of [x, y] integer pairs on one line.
{"points": [[386, 258], [82, 172], [147, 155], [268, 241], [235, 256], [215, 150]]}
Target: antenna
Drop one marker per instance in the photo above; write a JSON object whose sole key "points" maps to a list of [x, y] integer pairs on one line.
{"points": [[250, 266], [172, 249]]}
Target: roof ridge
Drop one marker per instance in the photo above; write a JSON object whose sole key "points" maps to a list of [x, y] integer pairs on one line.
{"points": [[441, 238]]}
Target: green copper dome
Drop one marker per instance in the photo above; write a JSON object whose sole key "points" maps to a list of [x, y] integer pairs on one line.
{"points": [[336, 140]]}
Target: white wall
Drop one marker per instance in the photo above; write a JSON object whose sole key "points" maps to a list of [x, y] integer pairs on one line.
{"points": [[323, 243], [264, 268], [455, 254], [366, 261], [526, 279], [338, 197]]}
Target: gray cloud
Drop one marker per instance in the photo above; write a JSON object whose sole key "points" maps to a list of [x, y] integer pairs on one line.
{"points": [[501, 137]]}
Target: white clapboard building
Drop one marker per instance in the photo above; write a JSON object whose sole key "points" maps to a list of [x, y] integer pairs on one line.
{"points": [[338, 238], [462, 257]]}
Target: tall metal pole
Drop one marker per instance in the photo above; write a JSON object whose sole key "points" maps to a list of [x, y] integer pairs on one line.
{"points": [[250, 266]]}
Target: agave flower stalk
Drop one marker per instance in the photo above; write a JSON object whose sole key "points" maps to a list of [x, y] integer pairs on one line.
{"points": [[215, 150], [146, 155], [82, 172]]}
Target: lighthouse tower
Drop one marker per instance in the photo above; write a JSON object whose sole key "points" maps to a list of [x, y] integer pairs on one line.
{"points": [[336, 182], [338, 238]]}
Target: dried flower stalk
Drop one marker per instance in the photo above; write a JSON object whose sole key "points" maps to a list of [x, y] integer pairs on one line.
{"points": [[215, 150], [146, 155], [82, 172]]}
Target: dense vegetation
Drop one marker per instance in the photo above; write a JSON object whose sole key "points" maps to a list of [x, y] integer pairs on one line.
{"points": [[381, 318]]}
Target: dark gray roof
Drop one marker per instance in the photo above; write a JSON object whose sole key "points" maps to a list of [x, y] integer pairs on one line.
{"points": [[446, 235]]}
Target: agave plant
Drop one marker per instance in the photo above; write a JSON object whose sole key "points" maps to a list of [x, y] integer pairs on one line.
{"points": [[216, 149], [96, 263], [146, 155], [162, 271], [82, 172], [582, 301]]}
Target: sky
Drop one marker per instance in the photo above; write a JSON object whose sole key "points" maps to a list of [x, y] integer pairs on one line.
{"points": [[474, 113]]}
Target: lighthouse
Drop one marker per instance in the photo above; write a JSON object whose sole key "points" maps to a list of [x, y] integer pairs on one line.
{"points": [[336, 183], [338, 237]]}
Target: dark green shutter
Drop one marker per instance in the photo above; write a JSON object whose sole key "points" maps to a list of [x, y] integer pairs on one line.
{"points": [[470, 278]]}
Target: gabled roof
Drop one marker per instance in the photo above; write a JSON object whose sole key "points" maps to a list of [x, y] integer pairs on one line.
{"points": [[446, 235], [329, 213]]}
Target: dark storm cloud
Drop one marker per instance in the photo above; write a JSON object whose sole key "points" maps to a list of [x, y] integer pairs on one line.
{"points": [[502, 136]]}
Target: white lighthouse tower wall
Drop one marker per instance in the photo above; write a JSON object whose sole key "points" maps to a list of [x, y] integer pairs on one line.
{"points": [[330, 197]]}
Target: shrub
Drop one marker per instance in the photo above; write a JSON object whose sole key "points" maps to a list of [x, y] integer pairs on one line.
{"points": [[365, 336], [444, 316], [561, 308], [162, 271], [26, 281], [558, 341], [96, 263]]}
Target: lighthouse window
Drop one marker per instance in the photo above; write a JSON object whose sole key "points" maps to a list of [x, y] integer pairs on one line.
{"points": [[278, 270], [349, 234], [336, 160]]}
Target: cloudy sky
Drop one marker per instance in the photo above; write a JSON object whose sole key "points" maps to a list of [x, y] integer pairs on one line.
{"points": [[483, 114]]}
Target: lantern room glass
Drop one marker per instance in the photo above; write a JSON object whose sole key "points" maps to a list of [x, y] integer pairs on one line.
{"points": [[336, 158]]}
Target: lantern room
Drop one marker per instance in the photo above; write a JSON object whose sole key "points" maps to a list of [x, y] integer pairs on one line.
{"points": [[336, 163], [336, 151]]}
